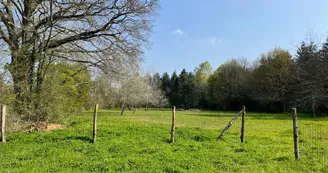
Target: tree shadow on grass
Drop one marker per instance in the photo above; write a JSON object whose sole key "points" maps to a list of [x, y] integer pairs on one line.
{"points": [[212, 114], [261, 116], [81, 138], [59, 138]]}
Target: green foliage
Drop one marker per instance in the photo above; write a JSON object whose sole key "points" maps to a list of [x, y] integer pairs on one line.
{"points": [[174, 89], [139, 143], [276, 82], [166, 84], [273, 79], [6, 92], [66, 90], [226, 86], [180, 90], [186, 90], [78, 33], [202, 73]]}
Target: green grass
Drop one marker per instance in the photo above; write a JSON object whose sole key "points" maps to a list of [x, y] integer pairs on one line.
{"points": [[140, 143]]}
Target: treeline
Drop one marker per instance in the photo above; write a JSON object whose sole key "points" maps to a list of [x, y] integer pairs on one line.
{"points": [[275, 82]]}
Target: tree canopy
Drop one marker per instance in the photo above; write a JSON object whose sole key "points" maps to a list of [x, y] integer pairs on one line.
{"points": [[275, 82], [98, 33]]}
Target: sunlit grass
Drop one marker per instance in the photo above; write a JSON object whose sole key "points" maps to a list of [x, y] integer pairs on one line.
{"points": [[140, 143]]}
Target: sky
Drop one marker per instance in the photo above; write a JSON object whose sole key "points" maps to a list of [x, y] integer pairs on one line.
{"points": [[189, 32]]}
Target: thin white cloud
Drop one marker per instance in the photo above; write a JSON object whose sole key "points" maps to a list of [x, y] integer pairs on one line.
{"points": [[178, 32], [213, 40]]}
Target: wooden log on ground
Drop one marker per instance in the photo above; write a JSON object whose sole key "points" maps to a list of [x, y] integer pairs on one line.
{"points": [[3, 123], [95, 123], [242, 131], [173, 124], [229, 125], [296, 139]]}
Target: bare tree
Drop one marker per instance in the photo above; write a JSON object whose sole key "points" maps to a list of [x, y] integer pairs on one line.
{"points": [[129, 90], [158, 100], [36, 33], [154, 94]]}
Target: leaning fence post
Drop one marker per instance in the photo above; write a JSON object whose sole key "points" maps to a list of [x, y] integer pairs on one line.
{"points": [[3, 123], [173, 124], [229, 125], [242, 136], [296, 140], [95, 123]]}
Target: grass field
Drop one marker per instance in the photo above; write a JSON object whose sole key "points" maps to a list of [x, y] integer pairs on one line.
{"points": [[139, 143]]}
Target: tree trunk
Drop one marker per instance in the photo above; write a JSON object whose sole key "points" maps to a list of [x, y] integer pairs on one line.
{"points": [[37, 101], [122, 112], [19, 72], [313, 107], [27, 85], [313, 110]]}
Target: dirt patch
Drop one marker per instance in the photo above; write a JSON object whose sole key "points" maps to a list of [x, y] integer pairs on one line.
{"points": [[54, 127]]}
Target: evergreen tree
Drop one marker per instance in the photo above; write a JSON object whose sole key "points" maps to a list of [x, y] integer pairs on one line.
{"points": [[186, 89], [311, 90], [166, 84], [174, 88]]}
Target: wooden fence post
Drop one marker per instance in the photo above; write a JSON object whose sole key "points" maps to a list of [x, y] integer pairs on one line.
{"points": [[229, 125], [173, 124], [3, 123], [296, 140], [95, 123], [242, 136]]}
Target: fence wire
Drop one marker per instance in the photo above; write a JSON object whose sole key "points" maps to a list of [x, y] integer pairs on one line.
{"points": [[313, 140]]}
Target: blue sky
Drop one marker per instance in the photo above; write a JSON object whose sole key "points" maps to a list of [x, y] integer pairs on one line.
{"points": [[189, 32]]}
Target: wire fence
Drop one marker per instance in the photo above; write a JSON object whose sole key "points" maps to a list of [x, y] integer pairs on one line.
{"points": [[261, 130], [314, 141]]}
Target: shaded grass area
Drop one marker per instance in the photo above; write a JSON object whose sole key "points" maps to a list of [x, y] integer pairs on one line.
{"points": [[140, 143]]}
